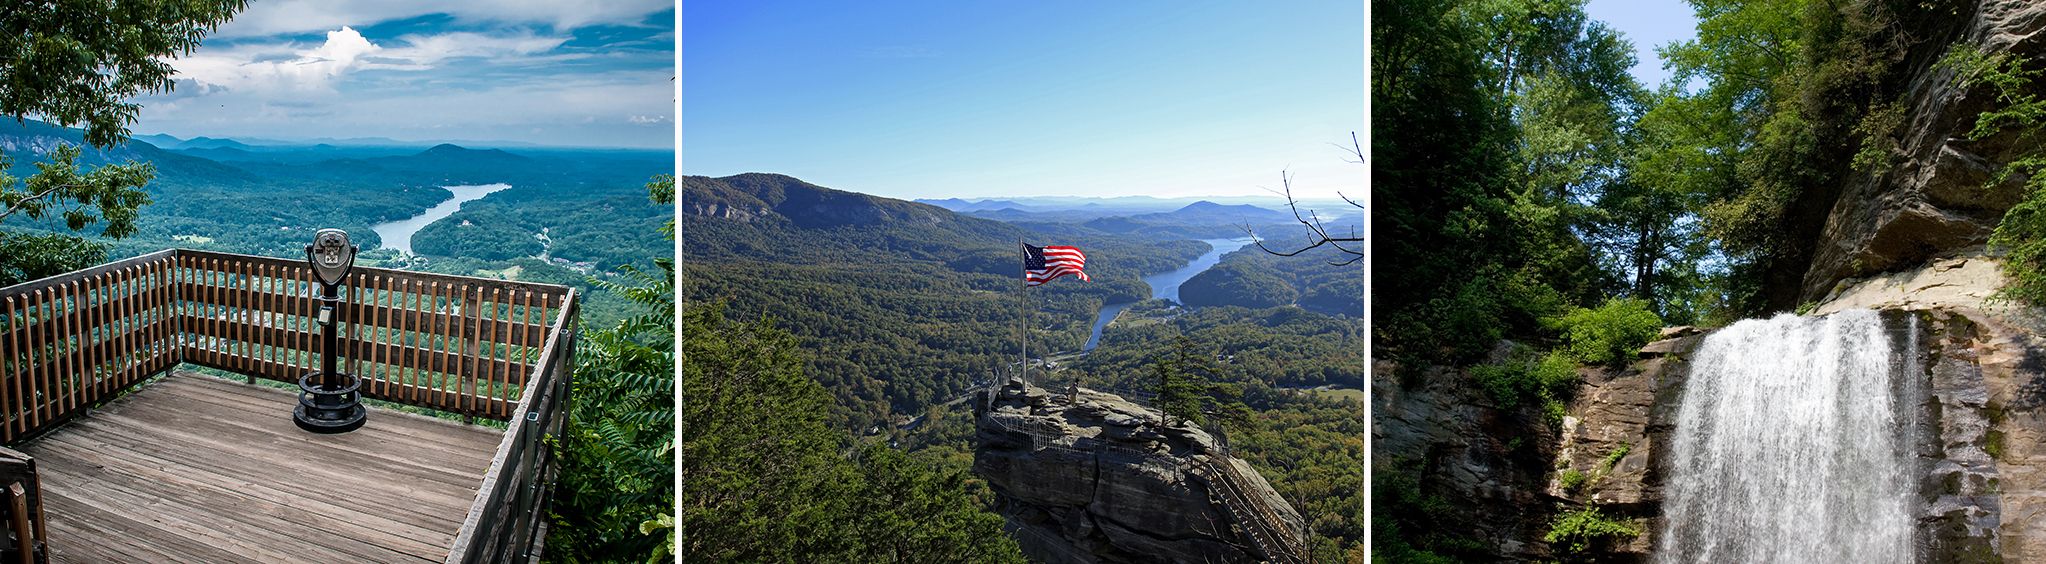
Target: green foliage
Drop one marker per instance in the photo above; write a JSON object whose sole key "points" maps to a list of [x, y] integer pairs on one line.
{"points": [[2019, 111], [1613, 458], [1411, 525], [1475, 206], [1611, 333], [1525, 380], [1186, 388], [1235, 284], [618, 459], [78, 63], [1878, 132], [1577, 531], [1571, 479], [31, 256], [768, 482], [109, 193]]}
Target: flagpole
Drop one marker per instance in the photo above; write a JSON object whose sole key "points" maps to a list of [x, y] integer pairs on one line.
{"points": [[1022, 322]]}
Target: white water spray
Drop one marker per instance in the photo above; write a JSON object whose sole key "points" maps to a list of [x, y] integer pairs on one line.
{"points": [[1792, 445]]}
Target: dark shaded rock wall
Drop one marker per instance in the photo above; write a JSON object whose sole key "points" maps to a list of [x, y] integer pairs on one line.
{"points": [[1934, 200]]}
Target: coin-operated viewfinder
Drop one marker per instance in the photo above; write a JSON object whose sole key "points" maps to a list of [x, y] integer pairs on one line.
{"points": [[328, 399]]}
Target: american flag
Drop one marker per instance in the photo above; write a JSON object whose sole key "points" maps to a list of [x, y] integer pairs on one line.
{"points": [[1041, 264]]}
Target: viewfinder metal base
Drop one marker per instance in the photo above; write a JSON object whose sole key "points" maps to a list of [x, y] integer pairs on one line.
{"points": [[329, 409]]}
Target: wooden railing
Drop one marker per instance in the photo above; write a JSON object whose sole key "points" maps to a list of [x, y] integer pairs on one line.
{"points": [[506, 518], [452, 343], [1264, 528], [493, 349], [75, 340], [22, 509]]}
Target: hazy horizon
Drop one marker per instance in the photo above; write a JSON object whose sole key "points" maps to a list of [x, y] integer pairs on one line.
{"points": [[366, 141]]}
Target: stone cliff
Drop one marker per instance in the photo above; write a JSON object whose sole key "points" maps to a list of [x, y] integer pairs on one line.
{"points": [[1935, 199], [1906, 239], [1981, 445], [1095, 478]]}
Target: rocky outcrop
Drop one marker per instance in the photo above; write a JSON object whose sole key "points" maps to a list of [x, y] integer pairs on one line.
{"points": [[1613, 451], [1936, 197], [1977, 376], [1487, 465], [1095, 478]]}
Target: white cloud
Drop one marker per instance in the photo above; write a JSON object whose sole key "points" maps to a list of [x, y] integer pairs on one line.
{"points": [[431, 49], [647, 120], [294, 68], [286, 67], [581, 109], [272, 17]]}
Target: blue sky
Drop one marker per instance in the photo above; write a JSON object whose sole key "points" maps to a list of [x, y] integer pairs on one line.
{"points": [[1649, 24], [590, 73], [914, 99]]}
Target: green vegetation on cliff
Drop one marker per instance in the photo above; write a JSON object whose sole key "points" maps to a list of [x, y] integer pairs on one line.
{"points": [[2017, 112], [1309, 446]]}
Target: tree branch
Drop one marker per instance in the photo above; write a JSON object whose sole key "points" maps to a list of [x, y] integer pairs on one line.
{"points": [[24, 203]]}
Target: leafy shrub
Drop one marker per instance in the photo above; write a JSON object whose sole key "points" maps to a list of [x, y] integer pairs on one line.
{"points": [[618, 459], [1553, 412], [1557, 374], [1613, 458], [1410, 525], [1520, 380], [2021, 235], [1507, 383], [1610, 333], [1576, 531], [1571, 479]]}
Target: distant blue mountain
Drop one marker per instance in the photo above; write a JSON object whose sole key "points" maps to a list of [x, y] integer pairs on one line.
{"points": [[212, 143]]}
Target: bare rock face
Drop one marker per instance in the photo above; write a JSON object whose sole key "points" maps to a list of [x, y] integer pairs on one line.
{"points": [[1095, 478], [1486, 463], [1981, 390], [1613, 451], [1936, 198]]}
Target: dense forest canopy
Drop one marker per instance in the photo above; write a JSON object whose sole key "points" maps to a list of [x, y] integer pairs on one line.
{"points": [[1534, 205], [1521, 171], [898, 307]]}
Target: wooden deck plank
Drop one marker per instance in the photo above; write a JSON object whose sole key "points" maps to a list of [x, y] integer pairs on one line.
{"points": [[200, 469]]}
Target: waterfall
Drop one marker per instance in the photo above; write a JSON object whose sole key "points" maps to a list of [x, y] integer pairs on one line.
{"points": [[1792, 445]]}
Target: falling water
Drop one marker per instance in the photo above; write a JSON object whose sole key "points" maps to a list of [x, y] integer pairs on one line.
{"points": [[1791, 445]]}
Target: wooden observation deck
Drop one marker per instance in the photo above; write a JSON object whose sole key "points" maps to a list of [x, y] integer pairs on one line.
{"points": [[130, 458]]}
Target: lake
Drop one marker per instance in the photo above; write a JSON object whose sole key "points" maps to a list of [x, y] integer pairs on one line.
{"points": [[398, 234], [1166, 285]]}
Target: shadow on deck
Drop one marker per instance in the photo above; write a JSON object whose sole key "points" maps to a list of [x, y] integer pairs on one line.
{"points": [[200, 469]]}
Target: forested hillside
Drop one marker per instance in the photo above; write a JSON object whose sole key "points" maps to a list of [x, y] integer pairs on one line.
{"points": [[590, 204], [904, 304], [899, 307]]}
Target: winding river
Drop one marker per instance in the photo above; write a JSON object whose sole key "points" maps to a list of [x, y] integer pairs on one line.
{"points": [[1166, 285], [398, 234]]}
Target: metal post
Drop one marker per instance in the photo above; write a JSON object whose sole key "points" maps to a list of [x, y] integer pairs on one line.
{"points": [[1023, 323], [329, 401]]}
